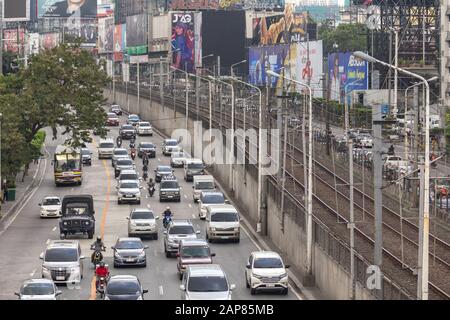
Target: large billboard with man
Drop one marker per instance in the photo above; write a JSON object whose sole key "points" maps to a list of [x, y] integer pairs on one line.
{"points": [[67, 8], [16, 10]]}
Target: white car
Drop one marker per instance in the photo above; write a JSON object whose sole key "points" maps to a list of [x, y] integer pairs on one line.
{"points": [[50, 207], [178, 158], [144, 128], [266, 270], [142, 222], [208, 198], [222, 223], [129, 191], [38, 289]]}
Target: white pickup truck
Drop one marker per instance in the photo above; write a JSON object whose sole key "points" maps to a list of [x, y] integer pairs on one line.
{"points": [[397, 163]]}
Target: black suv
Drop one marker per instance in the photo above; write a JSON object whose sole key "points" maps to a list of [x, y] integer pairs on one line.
{"points": [[148, 148], [77, 216], [169, 190], [127, 131]]}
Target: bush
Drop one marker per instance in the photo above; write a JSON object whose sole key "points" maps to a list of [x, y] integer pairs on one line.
{"points": [[37, 143]]}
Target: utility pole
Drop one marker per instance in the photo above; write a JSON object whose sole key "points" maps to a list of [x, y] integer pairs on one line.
{"points": [[378, 182], [389, 71], [395, 108], [283, 179], [420, 271], [161, 93], [219, 88], [416, 140], [187, 97], [138, 90], [1, 41]]}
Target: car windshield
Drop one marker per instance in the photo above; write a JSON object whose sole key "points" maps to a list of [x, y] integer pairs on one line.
{"points": [[171, 143], [124, 162], [195, 166], [85, 152], [142, 215], [51, 202], [133, 118], [121, 152], [224, 217], [76, 209], [129, 244], [129, 185], [144, 124], [204, 185], [61, 255], [181, 230], [207, 284], [112, 115], [195, 252], [106, 145], [129, 176], [38, 289], [127, 127], [213, 198], [164, 169], [117, 288], [147, 145], [169, 185], [268, 263]]}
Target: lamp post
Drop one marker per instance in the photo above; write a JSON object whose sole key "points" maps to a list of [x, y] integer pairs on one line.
{"points": [[424, 217], [1, 177], [310, 180], [187, 92], [197, 85], [234, 65], [260, 155], [231, 159]]}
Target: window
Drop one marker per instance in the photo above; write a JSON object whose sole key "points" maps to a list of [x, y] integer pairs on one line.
{"points": [[123, 288], [61, 255], [32, 289], [51, 202], [142, 215], [205, 185], [195, 166], [129, 176], [124, 162], [129, 245], [121, 152], [106, 145], [129, 185], [195, 252], [181, 230], [268, 263], [171, 143], [164, 169], [224, 217], [207, 284], [169, 185], [213, 199]]}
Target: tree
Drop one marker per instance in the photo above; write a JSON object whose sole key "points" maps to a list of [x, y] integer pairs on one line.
{"points": [[61, 88], [349, 37]]}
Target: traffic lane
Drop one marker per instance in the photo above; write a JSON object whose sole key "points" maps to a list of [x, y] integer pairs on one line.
{"points": [[27, 236]]}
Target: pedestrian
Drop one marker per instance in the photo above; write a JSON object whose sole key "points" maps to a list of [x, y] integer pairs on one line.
{"points": [[5, 194]]}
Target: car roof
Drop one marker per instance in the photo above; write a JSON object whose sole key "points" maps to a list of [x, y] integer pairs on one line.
{"points": [[170, 140], [222, 208], [106, 140], [133, 115], [146, 142], [266, 254], [128, 171], [194, 160], [42, 280], [209, 193], [144, 122], [204, 177], [129, 239], [163, 166], [142, 210], [181, 222], [210, 270], [127, 181], [169, 178], [123, 277], [63, 244], [194, 242], [120, 149], [52, 197]]}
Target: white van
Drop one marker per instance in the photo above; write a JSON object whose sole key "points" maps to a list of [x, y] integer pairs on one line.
{"points": [[202, 183], [105, 148], [222, 222]]}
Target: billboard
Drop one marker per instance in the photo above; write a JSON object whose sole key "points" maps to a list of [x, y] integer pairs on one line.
{"points": [[183, 41], [137, 34], [294, 59], [67, 8], [288, 27], [48, 40], [344, 69], [33, 43], [10, 40], [119, 41], [105, 35], [85, 29], [16, 10], [125, 8]]}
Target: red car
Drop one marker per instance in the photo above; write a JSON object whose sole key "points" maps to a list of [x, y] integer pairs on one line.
{"points": [[112, 120], [193, 252]]}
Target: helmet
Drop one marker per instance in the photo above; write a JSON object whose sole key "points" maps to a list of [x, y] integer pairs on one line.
{"points": [[99, 239], [168, 208], [102, 264]]}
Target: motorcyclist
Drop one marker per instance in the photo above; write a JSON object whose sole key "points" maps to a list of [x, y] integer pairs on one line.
{"points": [[119, 141], [145, 159], [391, 149], [101, 271], [145, 172], [132, 151], [167, 214], [98, 245], [151, 187]]}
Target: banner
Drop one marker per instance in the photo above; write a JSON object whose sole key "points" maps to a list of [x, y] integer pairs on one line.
{"points": [[183, 41], [49, 40], [33, 43], [344, 69], [67, 8], [119, 41], [16, 10], [105, 35], [86, 30], [262, 59], [125, 8], [10, 40], [288, 27], [137, 34]]}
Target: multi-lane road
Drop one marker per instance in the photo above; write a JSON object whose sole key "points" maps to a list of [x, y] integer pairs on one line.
{"points": [[25, 235]]}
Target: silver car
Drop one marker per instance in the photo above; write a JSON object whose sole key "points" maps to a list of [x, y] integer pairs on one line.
{"points": [[205, 282], [178, 230], [142, 222], [123, 164], [38, 289], [129, 191], [129, 251], [119, 153]]}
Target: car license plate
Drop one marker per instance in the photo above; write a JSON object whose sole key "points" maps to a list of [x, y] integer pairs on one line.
{"points": [[128, 196], [271, 285], [170, 197], [60, 278], [130, 260]]}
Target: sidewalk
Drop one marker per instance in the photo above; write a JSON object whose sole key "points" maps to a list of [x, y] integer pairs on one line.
{"points": [[22, 188]]}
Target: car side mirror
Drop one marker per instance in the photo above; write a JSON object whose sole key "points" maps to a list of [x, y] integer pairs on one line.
{"points": [[140, 187], [128, 218], [117, 187], [227, 201], [157, 218], [40, 204], [213, 254], [232, 287], [58, 293], [182, 287], [82, 257], [144, 291], [287, 266], [113, 248], [197, 232], [17, 294], [154, 170], [178, 254], [248, 266], [192, 187], [41, 256], [165, 232]]}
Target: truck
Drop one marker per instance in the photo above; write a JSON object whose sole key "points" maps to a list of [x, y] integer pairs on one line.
{"points": [[77, 216]]}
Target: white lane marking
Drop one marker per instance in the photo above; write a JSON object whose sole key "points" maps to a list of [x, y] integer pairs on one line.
{"points": [[155, 252], [159, 160], [185, 196], [161, 290], [48, 241], [193, 216], [73, 189], [54, 229], [146, 197], [33, 272], [190, 205]]}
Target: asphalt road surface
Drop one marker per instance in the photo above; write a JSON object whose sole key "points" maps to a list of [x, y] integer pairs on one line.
{"points": [[24, 237]]}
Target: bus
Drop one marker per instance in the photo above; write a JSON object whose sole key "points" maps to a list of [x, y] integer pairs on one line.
{"points": [[67, 165]]}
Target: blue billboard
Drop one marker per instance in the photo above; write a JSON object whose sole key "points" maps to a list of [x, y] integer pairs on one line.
{"points": [[346, 73], [266, 58]]}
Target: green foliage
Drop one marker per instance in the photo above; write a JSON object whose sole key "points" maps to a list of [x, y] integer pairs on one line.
{"points": [[60, 88], [349, 37]]}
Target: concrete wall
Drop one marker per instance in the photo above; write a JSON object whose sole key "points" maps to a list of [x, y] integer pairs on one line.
{"points": [[330, 277]]}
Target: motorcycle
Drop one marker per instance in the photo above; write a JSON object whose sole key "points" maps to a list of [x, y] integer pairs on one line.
{"points": [[166, 221], [151, 191], [101, 285], [97, 256], [133, 155]]}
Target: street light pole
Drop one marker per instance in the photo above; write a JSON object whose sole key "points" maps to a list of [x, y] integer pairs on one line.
{"points": [[234, 65], [310, 180], [422, 288]]}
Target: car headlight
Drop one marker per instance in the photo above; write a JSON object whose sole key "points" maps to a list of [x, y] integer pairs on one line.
{"points": [[120, 194], [86, 223], [139, 298], [106, 298], [163, 192], [171, 241], [236, 229], [44, 269], [142, 254], [75, 269], [284, 275], [65, 223], [133, 223], [212, 229], [257, 276], [117, 255]]}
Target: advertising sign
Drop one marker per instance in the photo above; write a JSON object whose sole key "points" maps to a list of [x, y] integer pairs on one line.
{"points": [[10, 40], [33, 43], [105, 35], [67, 8], [183, 41], [262, 59], [288, 27], [48, 40], [85, 29], [16, 10], [137, 35], [119, 41], [125, 8], [344, 69]]}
